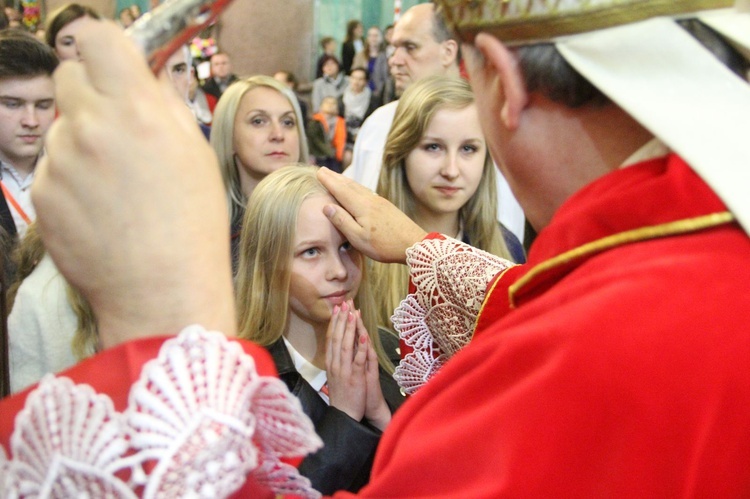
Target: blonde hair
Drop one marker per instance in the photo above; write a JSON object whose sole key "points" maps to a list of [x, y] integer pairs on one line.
{"points": [[266, 251], [478, 216], [85, 342], [222, 135]]}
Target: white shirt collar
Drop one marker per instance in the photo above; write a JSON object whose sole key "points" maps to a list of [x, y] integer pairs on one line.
{"points": [[654, 148], [314, 376]]}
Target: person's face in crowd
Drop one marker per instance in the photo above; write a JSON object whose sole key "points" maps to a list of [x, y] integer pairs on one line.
{"points": [[329, 106], [27, 109], [220, 66], [282, 77], [331, 68], [388, 34], [126, 17], [266, 136], [14, 17], [359, 30], [179, 70], [135, 9], [417, 53], [357, 81], [374, 37], [445, 169], [330, 47], [65, 40], [326, 269]]}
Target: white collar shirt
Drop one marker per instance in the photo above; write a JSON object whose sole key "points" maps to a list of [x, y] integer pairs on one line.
{"points": [[317, 378]]}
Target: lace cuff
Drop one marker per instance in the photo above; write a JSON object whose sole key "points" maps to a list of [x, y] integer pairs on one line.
{"points": [[438, 319], [199, 421]]}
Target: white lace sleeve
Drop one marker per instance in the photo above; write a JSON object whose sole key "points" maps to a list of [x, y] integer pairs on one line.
{"points": [[199, 420], [437, 320]]}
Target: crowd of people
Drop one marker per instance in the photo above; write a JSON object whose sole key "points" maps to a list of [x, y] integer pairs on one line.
{"points": [[236, 295]]}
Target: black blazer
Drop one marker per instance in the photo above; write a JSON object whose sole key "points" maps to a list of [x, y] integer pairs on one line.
{"points": [[211, 87], [6, 218], [8, 241], [347, 56], [345, 461]]}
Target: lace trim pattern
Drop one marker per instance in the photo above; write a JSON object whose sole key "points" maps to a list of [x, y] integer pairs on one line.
{"points": [[199, 420], [437, 320]]}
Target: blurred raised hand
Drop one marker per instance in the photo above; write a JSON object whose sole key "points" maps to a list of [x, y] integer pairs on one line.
{"points": [[129, 196]]}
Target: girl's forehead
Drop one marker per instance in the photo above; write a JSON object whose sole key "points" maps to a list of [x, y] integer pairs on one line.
{"points": [[311, 209], [321, 199], [312, 223]]}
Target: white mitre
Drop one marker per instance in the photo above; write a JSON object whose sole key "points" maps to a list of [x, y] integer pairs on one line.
{"points": [[634, 52]]}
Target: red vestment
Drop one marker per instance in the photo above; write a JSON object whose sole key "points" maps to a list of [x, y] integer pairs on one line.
{"points": [[613, 364]]}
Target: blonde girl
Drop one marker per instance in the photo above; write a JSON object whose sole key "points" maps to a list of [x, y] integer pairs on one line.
{"points": [[302, 293], [437, 169]]}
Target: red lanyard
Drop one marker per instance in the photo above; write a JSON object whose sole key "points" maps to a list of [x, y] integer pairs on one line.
{"points": [[9, 197]]}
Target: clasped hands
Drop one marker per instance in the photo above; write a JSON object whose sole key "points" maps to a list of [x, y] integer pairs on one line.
{"points": [[352, 368]]}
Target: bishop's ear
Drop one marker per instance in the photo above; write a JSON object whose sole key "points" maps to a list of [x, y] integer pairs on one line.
{"points": [[501, 74]]}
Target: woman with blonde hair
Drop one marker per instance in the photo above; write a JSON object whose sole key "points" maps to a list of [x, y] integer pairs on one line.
{"points": [[302, 293], [437, 169], [257, 129]]}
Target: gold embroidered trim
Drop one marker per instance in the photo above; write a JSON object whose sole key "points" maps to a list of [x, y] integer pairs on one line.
{"points": [[641, 234], [513, 22]]}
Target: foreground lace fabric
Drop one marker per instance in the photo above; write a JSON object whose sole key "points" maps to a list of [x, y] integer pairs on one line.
{"points": [[438, 319], [199, 421]]}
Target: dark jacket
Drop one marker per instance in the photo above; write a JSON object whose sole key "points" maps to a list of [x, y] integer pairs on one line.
{"points": [[211, 87], [8, 239], [345, 461], [235, 229], [6, 218], [347, 56]]}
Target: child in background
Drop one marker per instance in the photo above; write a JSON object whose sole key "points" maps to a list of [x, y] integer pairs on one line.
{"points": [[326, 135], [332, 83], [328, 44]]}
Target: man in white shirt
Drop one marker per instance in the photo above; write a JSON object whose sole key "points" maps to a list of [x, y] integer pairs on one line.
{"points": [[424, 47], [27, 109]]}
